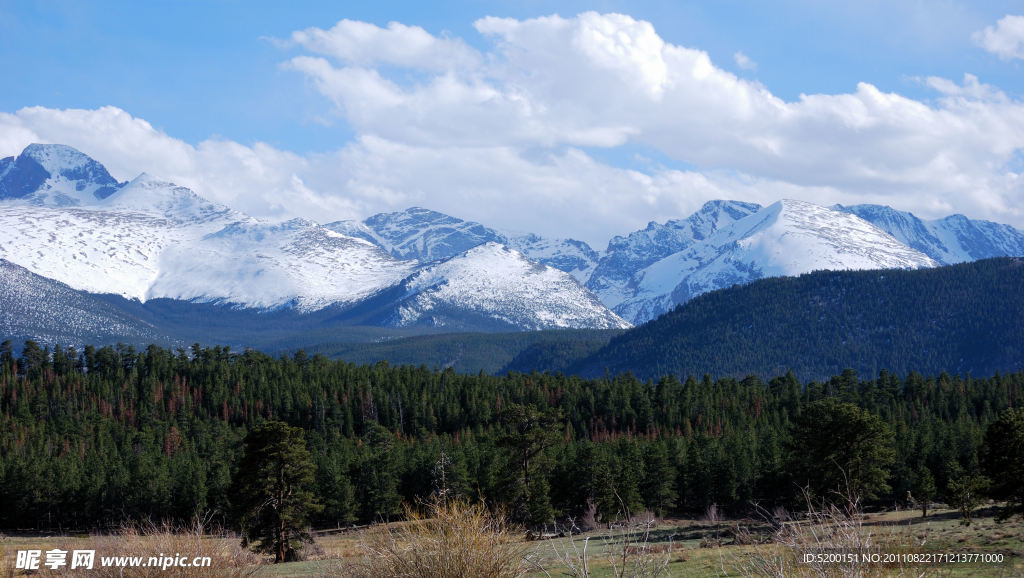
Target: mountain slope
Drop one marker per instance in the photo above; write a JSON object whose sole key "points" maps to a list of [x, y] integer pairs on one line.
{"points": [[55, 175], [499, 285], [262, 265], [625, 256], [960, 318], [953, 239], [428, 236], [786, 238], [34, 307]]}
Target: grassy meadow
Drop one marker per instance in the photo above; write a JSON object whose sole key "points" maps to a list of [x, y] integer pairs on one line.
{"points": [[673, 547]]}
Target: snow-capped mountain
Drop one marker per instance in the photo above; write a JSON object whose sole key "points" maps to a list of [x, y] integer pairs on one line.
{"points": [[950, 240], [55, 175], [419, 234], [785, 238], [493, 278], [627, 255], [148, 195], [264, 265], [65, 218], [427, 236]]}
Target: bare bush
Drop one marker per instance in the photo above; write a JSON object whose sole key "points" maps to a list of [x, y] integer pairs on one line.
{"points": [[629, 554], [779, 515], [454, 538], [830, 540]]}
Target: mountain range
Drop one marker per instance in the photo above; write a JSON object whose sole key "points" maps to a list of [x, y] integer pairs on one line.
{"points": [[66, 223]]}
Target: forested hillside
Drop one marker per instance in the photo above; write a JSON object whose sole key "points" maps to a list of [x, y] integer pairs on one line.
{"points": [[108, 434], [966, 318]]}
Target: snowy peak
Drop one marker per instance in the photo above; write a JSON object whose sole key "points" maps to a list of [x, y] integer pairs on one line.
{"points": [[499, 283], [149, 239], [949, 240], [713, 216], [157, 197], [426, 235], [55, 175], [69, 163], [970, 240], [627, 255], [574, 257], [793, 237], [786, 238], [902, 225]]}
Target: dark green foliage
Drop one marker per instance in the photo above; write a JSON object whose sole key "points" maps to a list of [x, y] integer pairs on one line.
{"points": [[272, 490], [924, 489], [840, 449], [92, 438], [528, 433], [378, 498], [1003, 460], [966, 493], [966, 318], [657, 487]]}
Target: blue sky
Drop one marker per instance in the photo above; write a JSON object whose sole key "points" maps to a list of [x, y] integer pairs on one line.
{"points": [[802, 99]]}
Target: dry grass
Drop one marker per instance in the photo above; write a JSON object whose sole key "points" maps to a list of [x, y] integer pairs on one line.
{"points": [[454, 538], [831, 540], [145, 540], [631, 553], [680, 538]]}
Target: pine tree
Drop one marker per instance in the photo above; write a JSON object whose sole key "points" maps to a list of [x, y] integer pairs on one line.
{"points": [[1003, 460], [272, 488], [924, 489], [839, 448], [658, 485]]}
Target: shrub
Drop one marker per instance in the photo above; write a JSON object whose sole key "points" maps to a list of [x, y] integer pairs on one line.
{"points": [[146, 539], [455, 538]]}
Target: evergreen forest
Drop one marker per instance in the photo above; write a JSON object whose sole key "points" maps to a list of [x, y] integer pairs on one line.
{"points": [[966, 318], [94, 437]]}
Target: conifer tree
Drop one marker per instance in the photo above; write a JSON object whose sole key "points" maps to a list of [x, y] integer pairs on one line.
{"points": [[839, 448], [1003, 460], [272, 489]]}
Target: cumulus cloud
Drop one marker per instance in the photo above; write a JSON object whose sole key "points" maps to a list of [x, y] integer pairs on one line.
{"points": [[605, 80], [1005, 39], [364, 44], [507, 134], [257, 179]]}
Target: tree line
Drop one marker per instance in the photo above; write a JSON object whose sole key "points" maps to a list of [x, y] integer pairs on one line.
{"points": [[95, 437]]}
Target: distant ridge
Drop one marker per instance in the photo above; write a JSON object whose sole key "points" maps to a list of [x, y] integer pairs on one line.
{"points": [[966, 318]]}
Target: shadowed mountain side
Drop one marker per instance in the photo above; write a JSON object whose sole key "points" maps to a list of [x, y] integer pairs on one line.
{"points": [[966, 318]]}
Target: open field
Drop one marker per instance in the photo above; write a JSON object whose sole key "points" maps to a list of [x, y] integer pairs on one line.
{"points": [[685, 547]]}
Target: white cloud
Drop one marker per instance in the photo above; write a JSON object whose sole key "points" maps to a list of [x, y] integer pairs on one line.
{"points": [[364, 44], [744, 61], [1005, 39], [556, 193], [607, 80], [257, 179], [504, 135]]}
